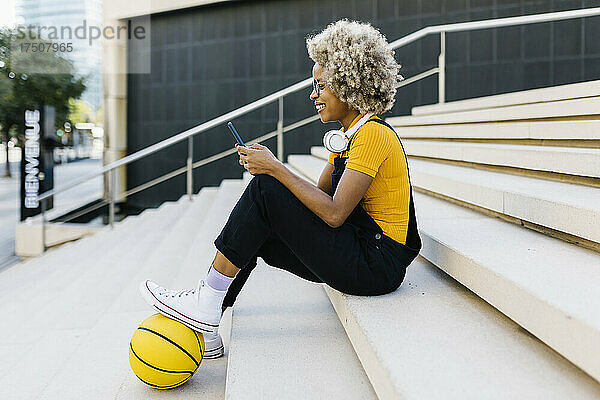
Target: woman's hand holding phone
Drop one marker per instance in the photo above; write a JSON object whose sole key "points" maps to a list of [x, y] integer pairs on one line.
{"points": [[256, 159]]}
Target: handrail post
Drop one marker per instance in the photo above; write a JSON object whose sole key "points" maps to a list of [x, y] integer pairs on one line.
{"points": [[44, 225], [442, 69], [190, 177], [111, 208], [280, 131]]}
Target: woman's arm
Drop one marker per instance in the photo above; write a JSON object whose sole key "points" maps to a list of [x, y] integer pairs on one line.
{"points": [[325, 179], [333, 210]]}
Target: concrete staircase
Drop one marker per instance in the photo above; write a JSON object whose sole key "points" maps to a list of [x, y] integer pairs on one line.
{"points": [[67, 317], [503, 302], [485, 170]]}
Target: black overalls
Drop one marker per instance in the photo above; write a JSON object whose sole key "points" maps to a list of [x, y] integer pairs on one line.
{"points": [[356, 258]]}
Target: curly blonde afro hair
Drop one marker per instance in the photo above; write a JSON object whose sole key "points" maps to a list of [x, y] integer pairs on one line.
{"points": [[358, 65]]}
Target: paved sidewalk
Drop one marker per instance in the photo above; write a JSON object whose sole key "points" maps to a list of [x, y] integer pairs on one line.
{"points": [[9, 206], [9, 199]]}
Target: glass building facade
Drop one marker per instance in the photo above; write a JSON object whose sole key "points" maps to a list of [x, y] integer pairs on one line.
{"points": [[72, 13]]}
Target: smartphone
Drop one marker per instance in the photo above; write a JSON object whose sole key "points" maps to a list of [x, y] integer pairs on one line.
{"points": [[235, 134]]}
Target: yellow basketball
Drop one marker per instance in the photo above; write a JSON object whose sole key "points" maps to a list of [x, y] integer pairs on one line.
{"points": [[164, 353]]}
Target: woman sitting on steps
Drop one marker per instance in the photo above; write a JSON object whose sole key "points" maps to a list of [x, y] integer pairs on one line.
{"points": [[355, 231]]}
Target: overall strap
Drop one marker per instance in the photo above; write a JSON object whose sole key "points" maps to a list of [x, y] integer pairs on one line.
{"points": [[413, 240], [382, 122]]}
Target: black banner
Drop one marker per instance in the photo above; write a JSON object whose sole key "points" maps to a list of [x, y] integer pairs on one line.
{"points": [[37, 161]]}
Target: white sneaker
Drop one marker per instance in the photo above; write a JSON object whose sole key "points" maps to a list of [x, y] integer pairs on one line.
{"points": [[199, 309], [213, 345]]}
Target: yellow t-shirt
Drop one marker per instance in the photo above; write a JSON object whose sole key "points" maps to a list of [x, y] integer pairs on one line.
{"points": [[376, 151]]}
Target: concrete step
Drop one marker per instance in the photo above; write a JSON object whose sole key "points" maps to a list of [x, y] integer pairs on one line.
{"points": [[71, 272], [309, 166], [209, 380], [287, 343], [247, 177], [541, 95], [565, 207], [104, 342], [534, 130], [203, 250], [69, 316], [546, 285], [170, 254], [526, 275], [83, 245], [319, 152], [588, 106], [50, 273], [434, 339], [564, 160], [30, 236], [43, 268]]}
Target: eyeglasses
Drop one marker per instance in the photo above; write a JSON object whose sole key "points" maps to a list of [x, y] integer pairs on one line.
{"points": [[318, 87]]}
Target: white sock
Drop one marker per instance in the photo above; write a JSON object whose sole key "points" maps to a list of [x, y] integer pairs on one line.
{"points": [[217, 280], [209, 299]]}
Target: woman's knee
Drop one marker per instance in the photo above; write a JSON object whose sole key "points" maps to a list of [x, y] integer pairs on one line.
{"points": [[271, 191], [266, 183]]}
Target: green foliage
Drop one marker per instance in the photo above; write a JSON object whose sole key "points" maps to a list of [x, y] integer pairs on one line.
{"points": [[81, 111], [57, 86]]}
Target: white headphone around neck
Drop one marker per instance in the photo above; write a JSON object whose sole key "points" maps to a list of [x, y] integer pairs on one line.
{"points": [[336, 141]]}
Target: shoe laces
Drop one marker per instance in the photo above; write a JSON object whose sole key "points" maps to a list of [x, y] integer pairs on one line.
{"points": [[176, 293]]}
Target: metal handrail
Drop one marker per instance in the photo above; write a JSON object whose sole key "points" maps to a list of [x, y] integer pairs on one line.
{"points": [[495, 23], [418, 77], [183, 135], [181, 170], [217, 156], [280, 94]]}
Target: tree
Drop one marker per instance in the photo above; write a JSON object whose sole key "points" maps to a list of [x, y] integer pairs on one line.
{"points": [[5, 105], [81, 111], [56, 86]]}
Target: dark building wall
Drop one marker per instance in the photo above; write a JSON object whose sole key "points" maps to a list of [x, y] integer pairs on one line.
{"points": [[208, 60]]}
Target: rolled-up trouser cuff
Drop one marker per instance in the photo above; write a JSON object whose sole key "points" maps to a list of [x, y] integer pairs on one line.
{"points": [[229, 253]]}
